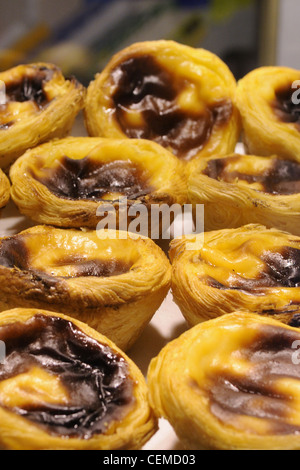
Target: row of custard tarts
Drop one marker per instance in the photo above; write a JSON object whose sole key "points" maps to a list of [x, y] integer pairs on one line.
{"points": [[183, 98], [187, 101], [84, 181], [81, 181], [144, 92], [234, 383], [177, 96]]}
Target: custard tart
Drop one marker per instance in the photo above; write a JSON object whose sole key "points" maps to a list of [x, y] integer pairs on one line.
{"points": [[178, 96], [232, 383], [4, 189], [76, 181], [242, 189], [250, 268], [268, 100], [63, 386], [37, 104], [111, 280]]}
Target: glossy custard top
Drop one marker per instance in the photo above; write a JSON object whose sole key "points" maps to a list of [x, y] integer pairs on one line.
{"points": [[249, 261], [147, 103], [61, 379], [89, 179], [52, 254], [25, 95], [270, 175], [248, 376]]}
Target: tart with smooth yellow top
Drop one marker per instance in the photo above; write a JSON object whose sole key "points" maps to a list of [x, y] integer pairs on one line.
{"points": [[37, 104], [178, 96], [67, 182], [111, 280], [250, 268], [4, 189], [64, 386], [232, 383], [268, 100], [242, 189]]}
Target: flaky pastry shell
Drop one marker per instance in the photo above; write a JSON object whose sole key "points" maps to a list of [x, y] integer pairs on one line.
{"points": [[4, 189]]}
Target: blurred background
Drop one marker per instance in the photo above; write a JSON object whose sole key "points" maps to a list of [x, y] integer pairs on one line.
{"points": [[81, 35]]}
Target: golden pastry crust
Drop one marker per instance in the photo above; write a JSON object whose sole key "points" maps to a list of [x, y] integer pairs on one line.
{"points": [[4, 189], [270, 119], [250, 268], [65, 182], [240, 189], [131, 425], [182, 98], [40, 105], [231, 383], [111, 280]]}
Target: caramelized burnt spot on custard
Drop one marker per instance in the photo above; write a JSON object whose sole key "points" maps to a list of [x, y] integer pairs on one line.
{"points": [[15, 254], [93, 383], [281, 270], [252, 385], [146, 106], [92, 180], [281, 177], [30, 87], [285, 107], [27, 88]]}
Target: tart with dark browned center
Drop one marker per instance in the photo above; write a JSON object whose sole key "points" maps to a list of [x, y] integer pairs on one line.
{"points": [[71, 182], [175, 95], [65, 386], [233, 386], [38, 104]]}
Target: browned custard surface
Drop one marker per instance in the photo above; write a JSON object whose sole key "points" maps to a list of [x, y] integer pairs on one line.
{"points": [[143, 86], [284, 106], [28, 88], [281, 269], [15, 253], [259, 262], [98, 386], [280, 177], [255, 383], [87, 179]]}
